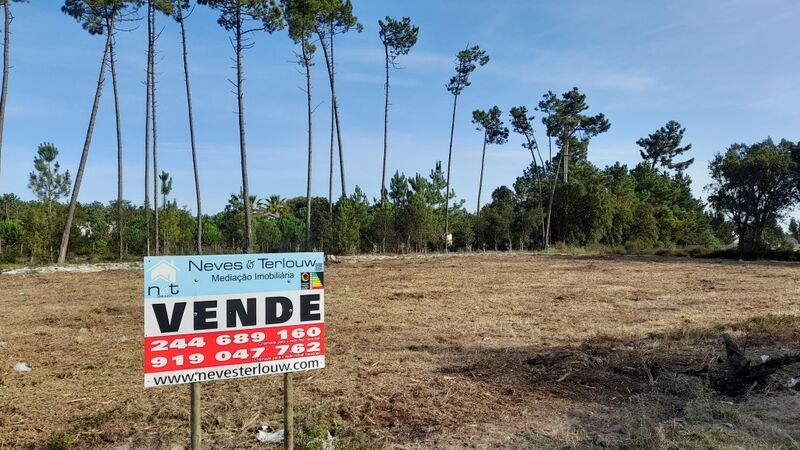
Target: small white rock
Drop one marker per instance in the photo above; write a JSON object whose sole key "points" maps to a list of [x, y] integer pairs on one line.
{"points": [[123, 339], [22, 367]]}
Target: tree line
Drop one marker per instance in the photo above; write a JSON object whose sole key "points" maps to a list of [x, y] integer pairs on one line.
{"points": [[561, 197]]}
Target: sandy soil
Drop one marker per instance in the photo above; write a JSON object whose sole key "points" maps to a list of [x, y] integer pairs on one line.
{"points": [[445, 352]]}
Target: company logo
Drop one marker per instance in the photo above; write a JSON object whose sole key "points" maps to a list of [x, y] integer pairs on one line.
{"points": [[164, 271]]}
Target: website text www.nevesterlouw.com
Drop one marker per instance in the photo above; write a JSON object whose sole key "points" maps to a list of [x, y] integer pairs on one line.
{"points": [[237, 372]]}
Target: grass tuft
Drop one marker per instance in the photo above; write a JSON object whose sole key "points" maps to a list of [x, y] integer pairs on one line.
{"points": [[312, 428], [58, 441]]}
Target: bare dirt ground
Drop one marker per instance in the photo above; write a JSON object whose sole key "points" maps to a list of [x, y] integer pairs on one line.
{"points": [[494, 351]]}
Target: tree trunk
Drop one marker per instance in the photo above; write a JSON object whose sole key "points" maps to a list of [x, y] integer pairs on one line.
{"points": [[480, 182], [330, 167], [4, 91], [565, 157], [531, 144], [385, 127], [154, 124], [449, 160], [328, 52], [147, 131], [307, 63], [550, 205], [73, 203], [191, 133], [248, 220], [119, 145]]}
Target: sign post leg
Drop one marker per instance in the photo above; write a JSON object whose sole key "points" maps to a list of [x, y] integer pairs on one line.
{"points": [[195, 415], [288, 411]]}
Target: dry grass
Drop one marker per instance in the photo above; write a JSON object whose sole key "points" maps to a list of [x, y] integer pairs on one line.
{"points": [[485, 351]]}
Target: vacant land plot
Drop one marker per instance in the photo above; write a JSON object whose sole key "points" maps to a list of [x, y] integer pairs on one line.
{"points": [[516, 351]]}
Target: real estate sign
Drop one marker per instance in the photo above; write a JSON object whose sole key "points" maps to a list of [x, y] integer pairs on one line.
{"points": [[230, 316]]}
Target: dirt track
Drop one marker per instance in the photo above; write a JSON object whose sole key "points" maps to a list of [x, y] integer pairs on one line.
{"points": [[486, 351]]}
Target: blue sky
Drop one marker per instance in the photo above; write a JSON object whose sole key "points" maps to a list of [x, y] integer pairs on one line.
{"points": [[727, 70]]}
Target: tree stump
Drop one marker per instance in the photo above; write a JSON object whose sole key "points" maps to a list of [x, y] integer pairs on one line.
{"points": [[737, 374]]}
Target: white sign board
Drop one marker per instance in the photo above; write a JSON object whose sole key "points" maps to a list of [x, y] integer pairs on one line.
{"points": [[230, 316]]}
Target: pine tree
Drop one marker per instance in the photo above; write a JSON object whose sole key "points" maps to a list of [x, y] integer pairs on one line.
{"points": [[397, 36], [663, 146], [467, 61], [494, 132], [242, 18]]}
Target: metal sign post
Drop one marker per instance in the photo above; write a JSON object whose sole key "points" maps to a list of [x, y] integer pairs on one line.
{"points": [[224, 317]]}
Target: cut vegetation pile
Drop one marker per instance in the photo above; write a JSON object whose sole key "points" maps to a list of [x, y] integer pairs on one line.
{"points": [[514, 351]]}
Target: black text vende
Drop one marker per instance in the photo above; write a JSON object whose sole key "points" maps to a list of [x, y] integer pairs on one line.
{"points": [[232, 312]]}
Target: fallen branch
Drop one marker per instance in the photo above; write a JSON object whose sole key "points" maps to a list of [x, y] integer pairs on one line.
{"points": [[738, 375]]}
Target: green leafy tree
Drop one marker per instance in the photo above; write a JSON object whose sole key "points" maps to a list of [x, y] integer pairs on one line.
{"points": [[11, 232], [467, 61], [7, 18], [277, 205], [437, 191], [166, 186], [231, 220], [565, 120], [268, 234], [177, 226], [94, 230], [621, 187], [753, 185], [522, 124], [242, 17], [350, 216], [679, 215], [397, 36], [494, 132], [46, 181], [527, 217], [398, 189], [494, 224], [212, 235], [49, 185], [320, 220], [9, 206], [794, 229], [583, 210], [292, 232], [723, 230], [382, 225], [663, 146], [415, 219]]}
